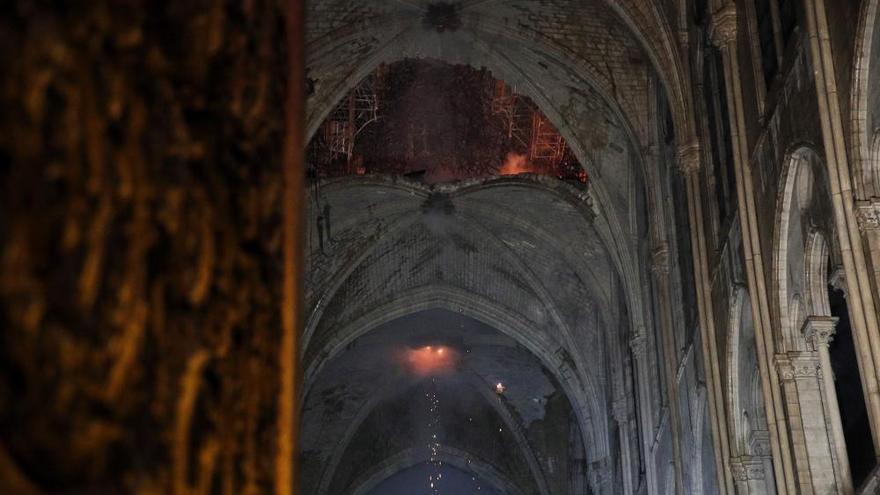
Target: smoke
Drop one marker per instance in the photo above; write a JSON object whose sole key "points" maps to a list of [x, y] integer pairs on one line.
{"points": [[430, 360]]}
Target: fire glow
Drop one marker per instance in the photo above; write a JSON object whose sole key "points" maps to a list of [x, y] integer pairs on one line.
{"points": [[430, 360], [514, 164]]}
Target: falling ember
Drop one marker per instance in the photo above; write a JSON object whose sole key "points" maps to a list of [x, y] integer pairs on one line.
{"points": [[515, 163], [434, 425], [430, 360]]}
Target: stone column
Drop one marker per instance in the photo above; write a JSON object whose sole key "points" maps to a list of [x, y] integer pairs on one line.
{"points": [[739, 479], [860, 294], [637, 345], [868, 216], [801, 376], [689, 166], [724, 36], [620, 411], [660, 269], [819, 331]]}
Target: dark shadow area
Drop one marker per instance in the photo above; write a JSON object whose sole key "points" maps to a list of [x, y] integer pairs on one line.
{"points": [[848, 384]]}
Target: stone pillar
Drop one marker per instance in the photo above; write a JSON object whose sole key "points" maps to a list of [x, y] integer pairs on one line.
{"points": [[620, 411], [660, 269], [860, 294], [801, 376], [868, 216], [819, 331], [637, 345], [724, 36], [689, 166]]}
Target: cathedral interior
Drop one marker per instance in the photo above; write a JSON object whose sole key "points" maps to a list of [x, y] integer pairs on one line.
{"points": [[440, 247]]}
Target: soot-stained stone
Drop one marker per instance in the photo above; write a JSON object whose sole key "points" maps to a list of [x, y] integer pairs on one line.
{"points": [[442, 16]]}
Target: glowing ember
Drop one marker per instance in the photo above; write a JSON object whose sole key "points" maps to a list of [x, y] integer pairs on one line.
{"points": [[434, 425], [430, 360], [515, 163]]}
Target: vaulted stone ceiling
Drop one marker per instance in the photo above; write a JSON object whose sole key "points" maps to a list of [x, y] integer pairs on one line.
{"points": [[611, 46], [555, 268], [518, 428], [520, 254]]}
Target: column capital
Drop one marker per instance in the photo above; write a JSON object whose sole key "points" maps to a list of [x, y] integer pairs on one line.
{"points": [[637, 344], [754, 467], [868, 215], [798, 364], [723, 27], [819, 330], [737, 470], [747, 468], [660, 259], [689, 158]]}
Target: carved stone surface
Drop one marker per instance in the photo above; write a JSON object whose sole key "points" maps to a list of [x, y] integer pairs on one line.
{"points": [[723, 28], [868, 215], [637, 344], [796, 365], [660, 260], [689, 158], [820, 330], [759, 442], [747, 468]]}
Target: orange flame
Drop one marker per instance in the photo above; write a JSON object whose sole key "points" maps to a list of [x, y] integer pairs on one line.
{"points": [[515, 163]]}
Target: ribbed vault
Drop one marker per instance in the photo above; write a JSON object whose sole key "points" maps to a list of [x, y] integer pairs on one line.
{"points": [[559, 269], [521, 255]]}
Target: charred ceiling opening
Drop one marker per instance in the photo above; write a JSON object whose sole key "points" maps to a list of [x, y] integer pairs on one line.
{"points": [[438, 122]]}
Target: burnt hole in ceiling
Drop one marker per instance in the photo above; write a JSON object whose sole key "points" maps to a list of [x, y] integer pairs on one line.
{"points": [[433, 122]]}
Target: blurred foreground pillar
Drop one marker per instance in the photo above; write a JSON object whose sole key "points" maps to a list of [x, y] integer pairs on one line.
{"points": [[286, 463]]}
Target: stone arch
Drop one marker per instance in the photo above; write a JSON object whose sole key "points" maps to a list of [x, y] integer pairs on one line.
{"points": [[513, 73], [503, 67], [744, 395], [865, 120], [500, 407], [649, 28], [790, 247], [457, 458], [579, 200], [582, 390], [874, 157], [817, 275], [629, 268]]}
